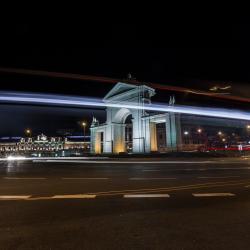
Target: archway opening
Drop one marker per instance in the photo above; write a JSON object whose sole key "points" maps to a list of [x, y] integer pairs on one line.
{"points": [[161, 137], [128, 134]]}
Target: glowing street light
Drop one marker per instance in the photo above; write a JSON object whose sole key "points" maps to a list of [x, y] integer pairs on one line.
{"points": [[223, 139], [219, 133], [84, 124], [186, 133], [248, 126], [28, 132], [199, 130]]}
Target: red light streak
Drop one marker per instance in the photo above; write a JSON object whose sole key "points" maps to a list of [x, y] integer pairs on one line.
{"points": [[114, 80]]}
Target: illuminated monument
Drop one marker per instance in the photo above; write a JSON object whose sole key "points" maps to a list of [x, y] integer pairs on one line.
{"points": [[111, 136]]}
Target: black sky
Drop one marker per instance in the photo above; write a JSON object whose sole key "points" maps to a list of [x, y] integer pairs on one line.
{"points": [[186, 49]]}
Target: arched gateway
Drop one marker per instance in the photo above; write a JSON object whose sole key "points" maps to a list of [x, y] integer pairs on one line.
{"points": [[114, 135]]}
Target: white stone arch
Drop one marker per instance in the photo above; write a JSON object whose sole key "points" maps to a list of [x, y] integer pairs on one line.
{"points": [[144, 124], [121, 115], [118, 128], [115, 129]]}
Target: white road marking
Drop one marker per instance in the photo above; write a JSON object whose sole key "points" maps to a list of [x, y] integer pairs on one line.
{"points": [[84, 178], [146, 196], [151, 170], [217, 177], [144, 179], [74, 196], [24, 178], [215, 168], [14, 197], [213, 194], [196, 169], [40, 198]]}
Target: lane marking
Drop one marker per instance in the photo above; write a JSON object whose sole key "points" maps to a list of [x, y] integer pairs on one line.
{"points": [[14, 197], [84, 178], [218, 168], [212, 194], [196, 169], [151, 178], [30, 198], [40, 198], [151, 170], [133, 192], [174, 188], [216, 177], [74, 196], [24, 178], [146, 196], [176, 169]]}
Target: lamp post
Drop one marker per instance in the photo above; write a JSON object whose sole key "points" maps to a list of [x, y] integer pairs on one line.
{"points": [[84, 124], [199, 130], [28, 132]]}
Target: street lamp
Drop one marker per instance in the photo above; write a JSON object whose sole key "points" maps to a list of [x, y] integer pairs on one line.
{"points": [[199, 130], [84, 124], [28, 132], [186, 133], [219, 133]]}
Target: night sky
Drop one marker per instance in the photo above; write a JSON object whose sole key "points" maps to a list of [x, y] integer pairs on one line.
{"points": [[194, 51]]}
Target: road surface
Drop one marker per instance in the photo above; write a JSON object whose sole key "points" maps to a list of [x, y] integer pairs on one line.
{"points": [[125, 204]]}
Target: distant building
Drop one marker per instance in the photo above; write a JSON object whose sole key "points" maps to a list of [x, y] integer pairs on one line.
{"points": [[43, 144]]}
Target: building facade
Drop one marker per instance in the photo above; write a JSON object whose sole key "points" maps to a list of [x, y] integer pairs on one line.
{"points": [[43, 144]]}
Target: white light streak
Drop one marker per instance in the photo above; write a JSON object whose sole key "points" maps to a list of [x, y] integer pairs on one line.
{"points": [[15, 158], [93, 102]]}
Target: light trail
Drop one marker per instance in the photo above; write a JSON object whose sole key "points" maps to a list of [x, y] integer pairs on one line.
{"points": [[102, 79], [98, 103]]}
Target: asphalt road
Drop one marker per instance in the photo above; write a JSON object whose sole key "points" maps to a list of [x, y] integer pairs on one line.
{"points": [[125, 204]]}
